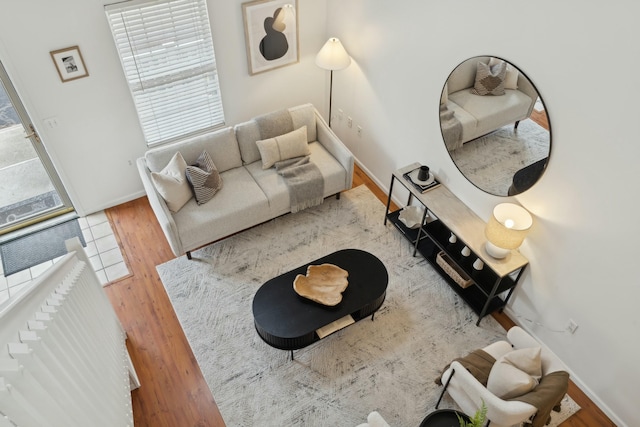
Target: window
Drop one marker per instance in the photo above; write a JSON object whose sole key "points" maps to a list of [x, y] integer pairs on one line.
{"points": [[167, 55]]}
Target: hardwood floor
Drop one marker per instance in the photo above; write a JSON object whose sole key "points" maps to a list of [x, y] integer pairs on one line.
{"points": [[173, 391]]}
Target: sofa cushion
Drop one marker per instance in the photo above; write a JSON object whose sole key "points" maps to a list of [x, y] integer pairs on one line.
{"points": [[305, 115], [511, 78], [247, 133], [489, 79], [221, 145], [204, 178], [283, 147], [238, 205], [515, 373], [274, 186], [489, 112], [171, 183]]}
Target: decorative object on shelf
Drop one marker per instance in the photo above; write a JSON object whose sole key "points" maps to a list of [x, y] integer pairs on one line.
{"points": [[466, 251], [323, 284], [506, 229], [423, 185], [423, 173], [411, 216], [453, 270], [69, 63], [453, 238], [478, 264], [271, 34], [332, 57]]}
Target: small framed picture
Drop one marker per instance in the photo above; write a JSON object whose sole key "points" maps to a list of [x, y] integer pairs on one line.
{"points": [[69, 63], [271, 34]]}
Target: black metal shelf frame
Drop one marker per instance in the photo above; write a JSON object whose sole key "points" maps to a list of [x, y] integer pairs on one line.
{"points": [[484, 296]]}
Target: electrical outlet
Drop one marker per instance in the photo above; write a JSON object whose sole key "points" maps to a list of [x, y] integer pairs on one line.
{"points": [[359, 128], [340, 114], [51, 122], [349, 121], [572, 326]]}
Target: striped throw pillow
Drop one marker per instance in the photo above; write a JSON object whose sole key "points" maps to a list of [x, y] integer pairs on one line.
{"points": [[204, 178]]}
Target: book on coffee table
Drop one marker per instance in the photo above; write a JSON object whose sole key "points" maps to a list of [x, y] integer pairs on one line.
{"points": [[334, 326], [422, 186]]}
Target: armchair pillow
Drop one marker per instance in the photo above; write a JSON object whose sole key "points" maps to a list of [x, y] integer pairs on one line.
{"points": [[204, 178], [515, 373], [171, 183], [283, 147]]}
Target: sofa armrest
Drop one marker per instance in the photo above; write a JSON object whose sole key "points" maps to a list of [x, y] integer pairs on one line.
{"points": [[499, 411], [336, 147], [160, 209], [525, 86]]}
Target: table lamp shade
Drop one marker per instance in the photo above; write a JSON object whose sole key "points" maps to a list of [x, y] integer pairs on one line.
{"points": [[508, 226], [333, 56]]}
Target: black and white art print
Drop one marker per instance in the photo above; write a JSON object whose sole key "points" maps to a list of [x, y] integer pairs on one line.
{"points": [[271, 33], [69, 63]]}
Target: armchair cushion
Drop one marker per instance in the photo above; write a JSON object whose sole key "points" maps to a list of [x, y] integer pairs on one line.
{"points": [[515, 373]]}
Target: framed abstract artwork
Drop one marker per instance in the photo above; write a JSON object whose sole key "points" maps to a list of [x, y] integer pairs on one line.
{"points": [[69, 63], [271, 34]]}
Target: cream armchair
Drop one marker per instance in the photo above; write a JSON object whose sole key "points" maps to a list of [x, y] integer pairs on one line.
{"points": [[468, 392]]}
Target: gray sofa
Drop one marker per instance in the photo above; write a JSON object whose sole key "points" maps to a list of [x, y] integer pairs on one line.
{"points": [[480, 115], [249, 195]]}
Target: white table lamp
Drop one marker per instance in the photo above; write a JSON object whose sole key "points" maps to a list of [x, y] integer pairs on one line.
{"points": [[506, 229]]}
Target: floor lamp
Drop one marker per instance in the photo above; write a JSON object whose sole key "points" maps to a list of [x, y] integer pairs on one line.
{"points": [[332, 57]]}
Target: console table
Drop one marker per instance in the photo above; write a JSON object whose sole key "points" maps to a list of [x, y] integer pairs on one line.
{"points": [[485, 295]]}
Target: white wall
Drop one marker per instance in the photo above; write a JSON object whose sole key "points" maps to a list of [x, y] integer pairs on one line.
{"points": [[98, 133], [580, 56], [582, 249]]}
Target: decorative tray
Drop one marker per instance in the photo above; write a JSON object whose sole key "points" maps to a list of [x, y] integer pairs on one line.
{"points": [[323, 284]]}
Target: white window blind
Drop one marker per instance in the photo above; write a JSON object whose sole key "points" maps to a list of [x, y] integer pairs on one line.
{"points": [[167, 55]]}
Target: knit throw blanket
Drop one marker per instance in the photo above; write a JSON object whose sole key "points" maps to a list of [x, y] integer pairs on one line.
{"points": [[306, 186], [274, 124], [451, 128]]}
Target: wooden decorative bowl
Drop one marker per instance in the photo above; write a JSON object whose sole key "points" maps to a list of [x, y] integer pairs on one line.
{"points": [[323, 284]]}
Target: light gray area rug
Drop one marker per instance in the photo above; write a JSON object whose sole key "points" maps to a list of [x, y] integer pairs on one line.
{"points": [[388, 364], [491, 161]]}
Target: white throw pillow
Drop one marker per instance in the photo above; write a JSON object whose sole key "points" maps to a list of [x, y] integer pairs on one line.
{"points": [[511, 79], [283, 147], [516, 373], [171, 183]]}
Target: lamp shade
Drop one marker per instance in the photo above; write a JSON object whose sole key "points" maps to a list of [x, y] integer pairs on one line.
{"points": [[507, 227], [333, 56], [287, 15]]}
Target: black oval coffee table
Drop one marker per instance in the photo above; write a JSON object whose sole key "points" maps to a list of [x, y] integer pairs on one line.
{"points": [[285, 320]]}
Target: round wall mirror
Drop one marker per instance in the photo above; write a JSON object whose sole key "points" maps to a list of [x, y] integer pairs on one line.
{"points": [[495, 125]]}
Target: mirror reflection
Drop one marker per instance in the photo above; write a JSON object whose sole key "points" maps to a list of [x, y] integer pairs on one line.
{"points": [[495, 126]]}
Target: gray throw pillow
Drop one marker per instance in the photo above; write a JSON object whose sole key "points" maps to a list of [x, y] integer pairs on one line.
{"points": [[490, 79], [204, 178]]}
